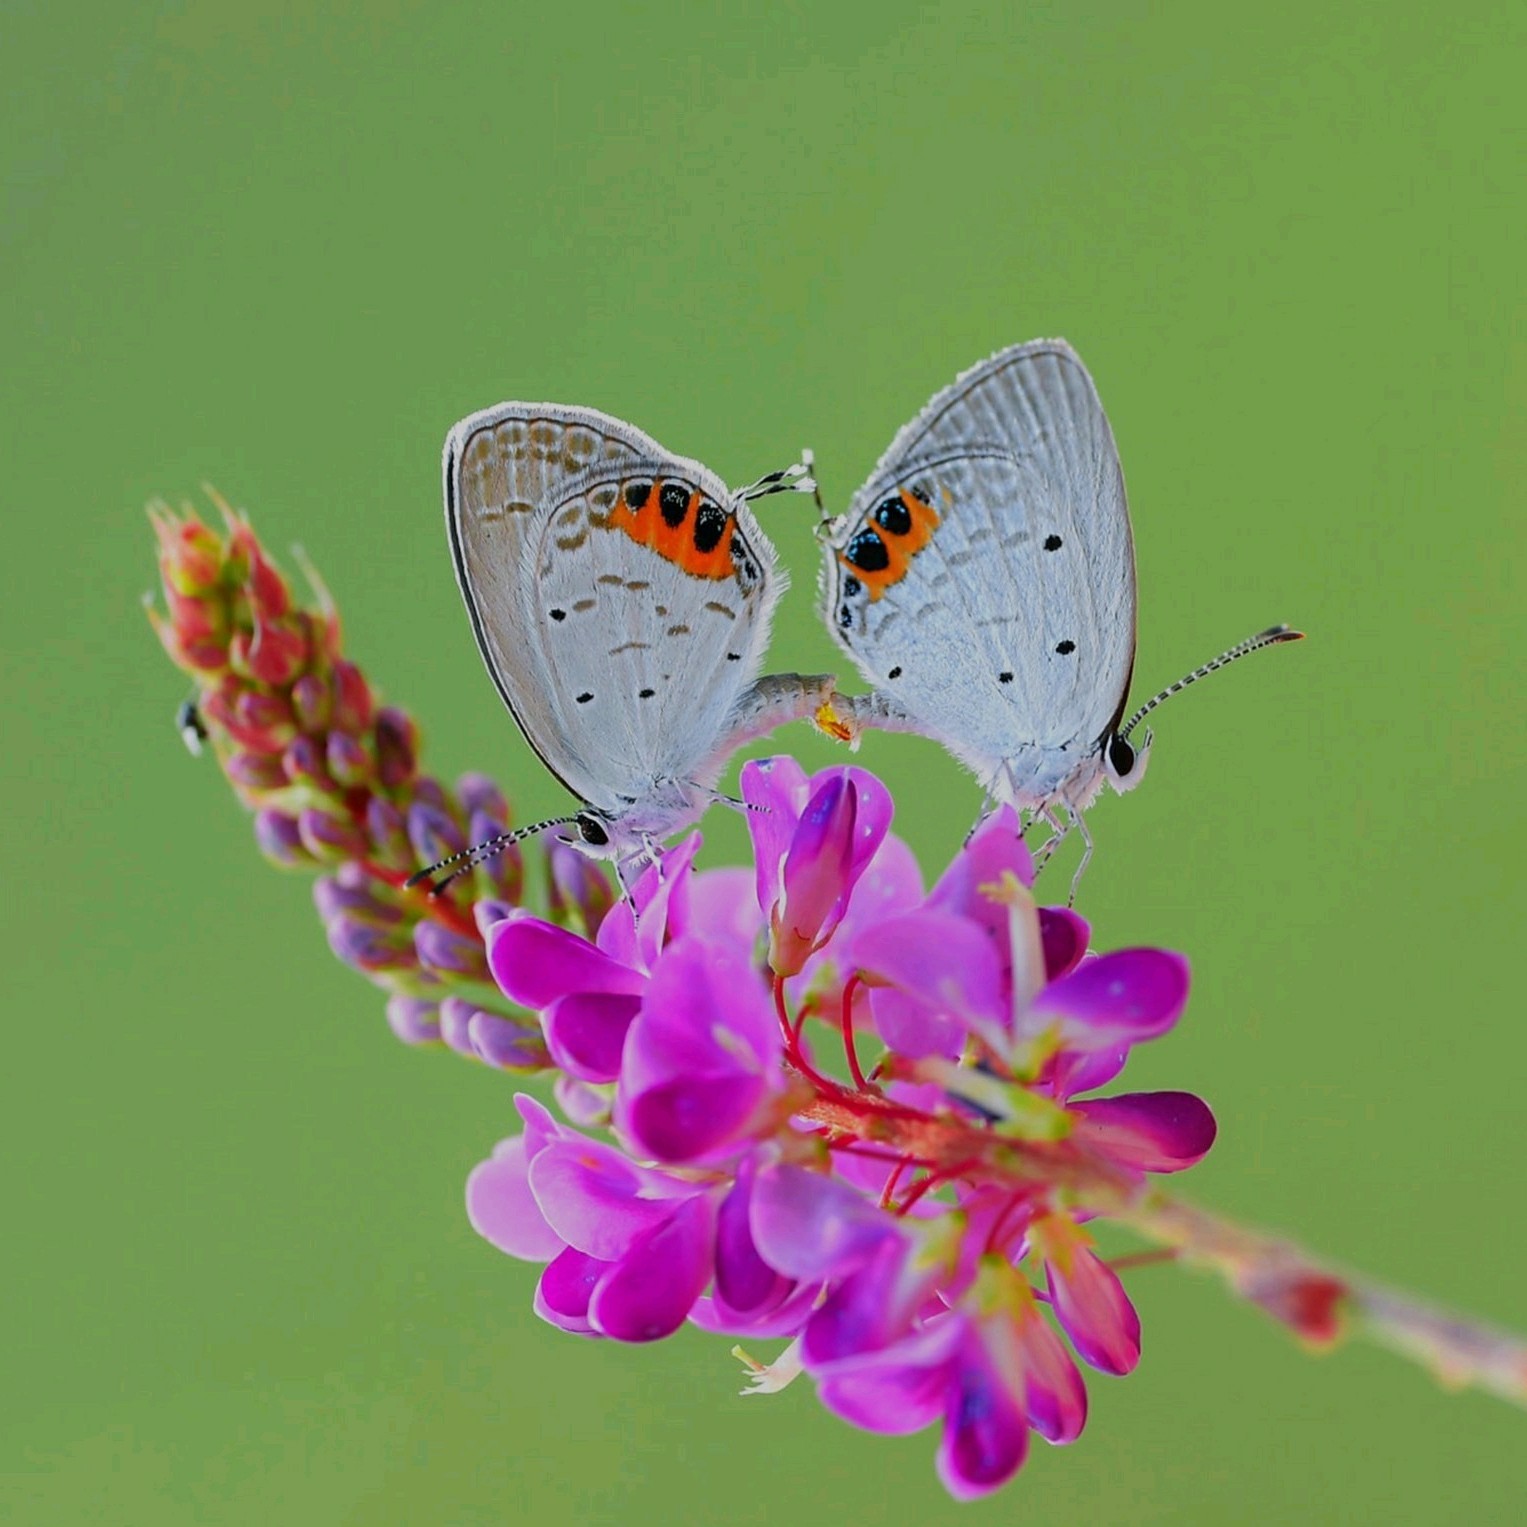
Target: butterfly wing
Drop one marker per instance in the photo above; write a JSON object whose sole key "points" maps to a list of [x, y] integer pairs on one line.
{"points": [[984, 576], [620, 597]]}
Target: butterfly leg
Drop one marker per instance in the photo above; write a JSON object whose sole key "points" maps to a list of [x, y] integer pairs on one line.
{"points": [[1079, 822], [1058, 830], [652, 854]]}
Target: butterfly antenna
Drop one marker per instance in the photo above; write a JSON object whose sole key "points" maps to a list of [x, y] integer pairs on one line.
{"points": [[796, 478], [470, 858], [1268, 638]]}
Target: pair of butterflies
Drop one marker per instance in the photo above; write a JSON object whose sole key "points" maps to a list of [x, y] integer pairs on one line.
{"points": [[982, 580]]}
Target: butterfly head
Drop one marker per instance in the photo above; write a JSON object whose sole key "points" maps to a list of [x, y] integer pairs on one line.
{"points": [[1124, 762]]}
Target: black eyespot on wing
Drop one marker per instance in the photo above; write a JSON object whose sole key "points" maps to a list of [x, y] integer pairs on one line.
{"points": [[673, 503], [895, 673], [559, 614], [1065, 648], [893, 515], [637, 494], [591, 830], [851, 586], [585, 697], [1053, 543], [867, 552], [645, 694], [710, 526], [1005, 677], [1121, 757]]}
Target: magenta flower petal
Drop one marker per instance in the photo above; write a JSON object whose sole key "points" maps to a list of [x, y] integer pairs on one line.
{"points": [[896, 1391], [586, 1033], [811, 1227], [536, 962], [649, 1293], [994, 849], [986, 1437], [744, 1281], [1124, 997], [944, 964], [1064, 937], [1092, 1307], [563, 1294], [816, 873], [775, 789], [1054, 1396], [1151, 1131], [723, 910], [701, 1056], [597, 1200], [504, 1211], [713, 1313]]}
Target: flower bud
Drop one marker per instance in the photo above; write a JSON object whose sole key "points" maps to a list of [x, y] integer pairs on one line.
{"points": [[347, 759], [329, 836], [432, 834], [280, 841], [305, 764], [353, 705], [396, 743], [578, 890], [502, 874], [388, 835], [414, 1020], [357, 896], [312, 702], [478, 794], [450, 953], [368, 946], [255, 772]]}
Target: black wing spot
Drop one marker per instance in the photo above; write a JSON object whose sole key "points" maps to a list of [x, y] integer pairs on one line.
{"points": [[1065, 648], [1005, 677], [585, 697], [734, 657], [893, 515], [645, 694], [710, 526], [868, 552], [845, 617], [673, 503], [851, 586], [637, 494], [920, 493], [1053, 543], [559, 614], [895, 673]]}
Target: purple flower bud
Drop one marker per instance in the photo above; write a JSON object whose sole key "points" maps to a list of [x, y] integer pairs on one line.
{"points": [[369, 946], [279, 839], [312, 703], [432, 834], [488, 911], [414, 1020], [332, 896], [449, 953], [352, 699], [347, 760], [388, 834], [579, 891], [428, 791], [328, 836], [304, 763], [267, 717], [478, 793], [397, 742], [455, 1024], [256, 771]]}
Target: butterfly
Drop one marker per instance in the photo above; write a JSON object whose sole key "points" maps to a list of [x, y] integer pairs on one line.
{"points": [[983, 580], [621, 597]]}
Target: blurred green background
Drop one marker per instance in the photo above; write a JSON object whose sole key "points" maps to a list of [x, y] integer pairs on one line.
{"points": [[282, 248]]}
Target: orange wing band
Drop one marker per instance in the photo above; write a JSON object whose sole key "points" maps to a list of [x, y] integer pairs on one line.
{"points": [[681, 542], [876, 569]]}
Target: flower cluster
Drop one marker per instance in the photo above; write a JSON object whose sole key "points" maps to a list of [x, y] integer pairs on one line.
{"points": [[333, 779], [912, 1216]]}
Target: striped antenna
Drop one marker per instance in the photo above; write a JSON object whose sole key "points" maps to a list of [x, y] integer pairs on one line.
{"points": [[469, 858], [795, 478], [1268, 638]]}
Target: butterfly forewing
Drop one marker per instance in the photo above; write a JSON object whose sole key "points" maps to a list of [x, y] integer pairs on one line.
{"points": [[618, 598], [984, 575]]}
